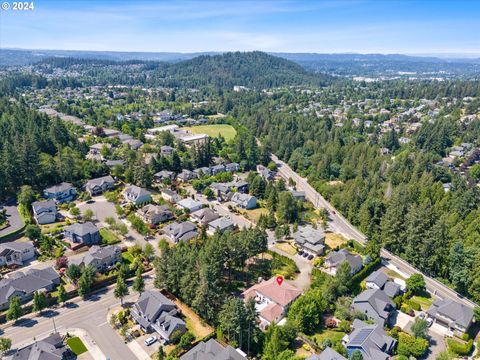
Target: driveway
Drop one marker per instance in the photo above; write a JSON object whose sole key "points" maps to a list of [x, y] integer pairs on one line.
{"points": [[101, 207], [14, 218]]}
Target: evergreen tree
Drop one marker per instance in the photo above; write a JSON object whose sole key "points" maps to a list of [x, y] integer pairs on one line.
{"points": [[14, 309], [138, 283]]}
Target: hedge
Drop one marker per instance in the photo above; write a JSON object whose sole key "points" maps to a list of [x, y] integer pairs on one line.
{"points": [[366, 270], [459, 348]]}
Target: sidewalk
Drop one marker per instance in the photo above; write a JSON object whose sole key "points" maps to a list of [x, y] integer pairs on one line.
{"points": [[89, 343]]}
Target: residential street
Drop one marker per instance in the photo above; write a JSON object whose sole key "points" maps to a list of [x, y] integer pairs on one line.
{"points": [[14, 218], [89, 315], [340, 225]]}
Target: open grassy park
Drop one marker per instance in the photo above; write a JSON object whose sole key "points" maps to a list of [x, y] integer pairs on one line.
{"points": [[227, 131]]}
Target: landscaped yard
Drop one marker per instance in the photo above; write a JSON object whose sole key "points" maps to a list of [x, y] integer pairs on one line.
{"points": [[227, 131], [76, 345], [424, 301], [333, 336], [334, 240], [289, 249], [254, 214], [108, 236]]}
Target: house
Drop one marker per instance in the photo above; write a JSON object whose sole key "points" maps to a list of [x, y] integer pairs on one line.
{"points": [[155, 214], [180, 231], [203, 171], [186, 176], [245, 201], [204, 216], [44, 212], [100, 258], [298, 195], [272, 300], [50, 348], [62, 193], [216, 169], [265, 173], [310, 240], [336, 258], [96, 149], [136, 195], [213, 350], [24, 284], [155, 312], [170, 195], [451, 315], [111, 132], [232, 167], [371, 340], [166, 150], [99, 185], [190, 204], [376, 280], [238, 186], [392, 289], [163, 175], [16, 253], [113, 163], [221, 191], [327, 354], [220, 225], [375, 304], [85, 234]]}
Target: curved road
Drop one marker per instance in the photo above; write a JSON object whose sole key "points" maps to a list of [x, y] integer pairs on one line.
{"points": [[341, 225]]}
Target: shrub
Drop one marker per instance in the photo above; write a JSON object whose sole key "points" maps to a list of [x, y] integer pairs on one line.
{"points": [[414, 305], [458, 348], [411, 346]]}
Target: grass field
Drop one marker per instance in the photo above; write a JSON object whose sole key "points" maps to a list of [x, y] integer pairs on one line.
{"points": [[108, 237], [254, 214], [333, 336], [289, 249], [334, 240], [76, 345], [425, 302], [227, 131]]}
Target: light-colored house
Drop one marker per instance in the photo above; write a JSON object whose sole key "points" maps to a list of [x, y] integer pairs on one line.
{"points": [[180, 231], [265, 173], [272, 299], [136, 195], [62, 193], [335, 258], [52, 347], [213, 350], [204, 216], [452, 315], [16, 253], [245, 201], [166, 150], [375, 304], [220, 225], [99, 185], [371, 340], [155, 214], [189, 204], [310, 240], [86, 233], [376, 280], [155, 312], [186, 176], [44, 212], [232, 167], [170, 196]]}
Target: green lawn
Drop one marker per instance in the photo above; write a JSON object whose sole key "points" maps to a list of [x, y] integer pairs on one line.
{"points": [[333, 336], [425, 302], [227, 131], [108, 237], [76, 345]]}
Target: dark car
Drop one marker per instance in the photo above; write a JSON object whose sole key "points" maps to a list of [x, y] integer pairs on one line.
{"points": [[310, 257], [91, 201], [300, 252]]}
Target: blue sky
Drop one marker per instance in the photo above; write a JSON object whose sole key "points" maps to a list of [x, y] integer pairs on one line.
{"points": [[413, 27]]}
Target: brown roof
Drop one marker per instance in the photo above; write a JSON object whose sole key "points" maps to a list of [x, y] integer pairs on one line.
{"points": [[272, 312], [281, 294]]}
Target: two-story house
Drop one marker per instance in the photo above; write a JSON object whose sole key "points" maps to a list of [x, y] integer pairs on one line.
{"points": [[452, 315], [99, 185], [62, 193], [16, 253], [155, 214], [100, 258], [136, 195], [180, 231], [82, 233], [44, 212]]}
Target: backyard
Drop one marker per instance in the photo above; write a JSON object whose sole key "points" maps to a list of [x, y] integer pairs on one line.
{"points": [[227, 131]]}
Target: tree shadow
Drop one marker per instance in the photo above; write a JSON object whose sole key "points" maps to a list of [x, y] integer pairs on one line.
{"points": [[28, 323]]}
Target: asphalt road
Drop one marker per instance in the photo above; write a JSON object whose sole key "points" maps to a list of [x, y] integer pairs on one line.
{"points": [[13, 217], [89, 315], [341, 225]]}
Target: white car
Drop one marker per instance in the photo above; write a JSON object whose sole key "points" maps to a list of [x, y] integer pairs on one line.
{"points": [[429, 321], [151, 340]]}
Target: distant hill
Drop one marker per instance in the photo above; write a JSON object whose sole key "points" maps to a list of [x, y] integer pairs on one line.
{"points": [[250, 69]]}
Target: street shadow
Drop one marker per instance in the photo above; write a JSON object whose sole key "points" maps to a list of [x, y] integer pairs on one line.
{"points": [[49, 313], [28, 323]]}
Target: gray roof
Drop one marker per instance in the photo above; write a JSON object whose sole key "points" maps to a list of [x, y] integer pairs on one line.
{"points": [[372, 339], [100, 181], [221, 223], [136, 191], [327, 354], [112, 163], [310, 238], [50, 348], [47, 204], [189, 203], [374, 303], [183, 231], [459, 313], [240, 198], [151, 303], [26, 282], [392, 289], [82, 229], [212, 350], [335, 258], [59, 188], [100, 253], [10, 247], [377, 277], [205, 215]]}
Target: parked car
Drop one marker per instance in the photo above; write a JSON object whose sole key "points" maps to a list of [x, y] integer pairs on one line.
{"points": [[310, 257], [151, 340], [91, 201], [429, 322], [421, 315], [300, 252]]}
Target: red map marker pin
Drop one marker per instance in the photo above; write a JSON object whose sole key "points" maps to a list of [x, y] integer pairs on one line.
{"points": [[279, 280]]}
